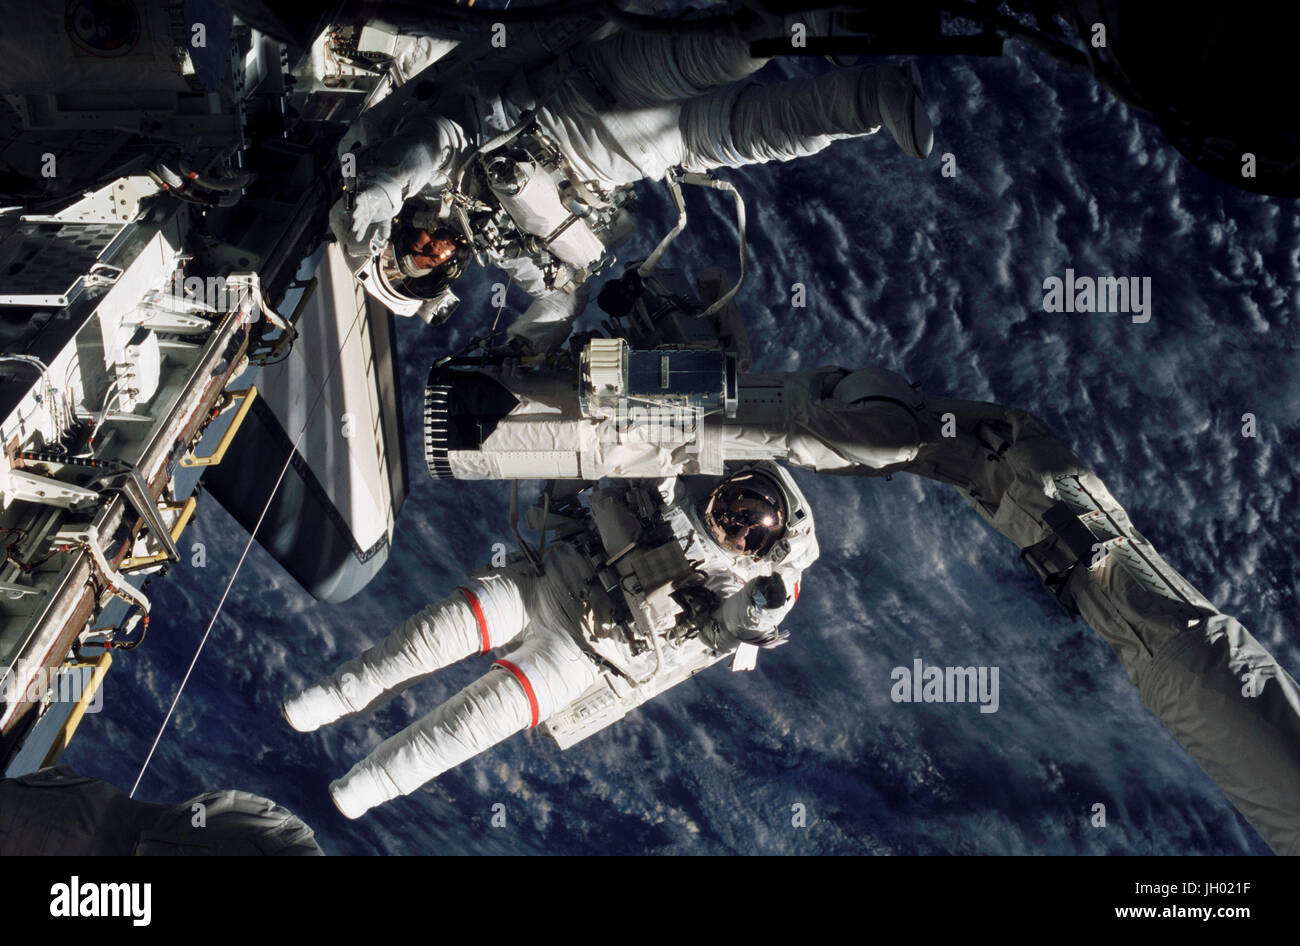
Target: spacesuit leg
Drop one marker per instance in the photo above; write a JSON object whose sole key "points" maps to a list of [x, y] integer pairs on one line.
{"points": [[546, 323], [547, 672], [485, 613], [749, 123], [548, 320], [640, 70], [1221, 694]]}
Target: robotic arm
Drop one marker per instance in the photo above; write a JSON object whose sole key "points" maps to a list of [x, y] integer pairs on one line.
{"points": [[1216, 688]]}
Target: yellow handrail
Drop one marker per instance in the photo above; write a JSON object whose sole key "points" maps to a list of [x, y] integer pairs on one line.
{"points": [[216, 456], [143, 561], [74, 718]]}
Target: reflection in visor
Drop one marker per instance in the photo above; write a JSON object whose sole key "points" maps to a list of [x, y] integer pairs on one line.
{"points": [[428, 251], [746, 514], [420, 264]]}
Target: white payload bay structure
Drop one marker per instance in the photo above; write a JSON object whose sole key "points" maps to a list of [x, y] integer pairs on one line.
{"points": [[158, 209], [106, 378]]}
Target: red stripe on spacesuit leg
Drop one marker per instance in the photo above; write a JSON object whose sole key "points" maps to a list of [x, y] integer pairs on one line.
{"points": [[479, 617], [523, 681]]}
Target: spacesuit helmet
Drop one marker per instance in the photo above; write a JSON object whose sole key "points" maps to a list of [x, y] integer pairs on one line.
{"points": [[747, 513], [422, 263]]}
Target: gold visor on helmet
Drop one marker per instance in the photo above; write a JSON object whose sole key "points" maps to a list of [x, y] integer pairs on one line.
{"points": [[746, 513], [422, 263]]}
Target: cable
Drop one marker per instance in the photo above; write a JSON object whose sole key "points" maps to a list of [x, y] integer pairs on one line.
{"points": [[247, 545], [704, 180], [62, 414], [96, 426]]}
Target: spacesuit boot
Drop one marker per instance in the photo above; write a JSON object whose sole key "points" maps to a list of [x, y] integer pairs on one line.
{"points": [[899, 100]]}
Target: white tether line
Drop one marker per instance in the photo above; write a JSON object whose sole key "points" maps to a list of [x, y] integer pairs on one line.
{"points": [[247, 545]]}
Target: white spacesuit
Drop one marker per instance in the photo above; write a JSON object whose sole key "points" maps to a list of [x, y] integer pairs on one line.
{"points": [[569, 139], [649, 583]]}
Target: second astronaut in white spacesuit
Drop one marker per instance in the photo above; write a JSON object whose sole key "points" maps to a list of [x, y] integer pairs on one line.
{"points": [[658, 581], [625, 108]]}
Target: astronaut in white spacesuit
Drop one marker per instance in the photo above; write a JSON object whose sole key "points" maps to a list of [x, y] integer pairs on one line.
{"points": [[648, 584], [536, 175]]}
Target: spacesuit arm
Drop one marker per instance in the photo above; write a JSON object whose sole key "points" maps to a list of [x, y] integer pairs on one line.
{"points": [[753, 615], [421, 157]]}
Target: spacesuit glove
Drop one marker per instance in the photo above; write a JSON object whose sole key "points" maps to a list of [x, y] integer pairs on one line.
{"points": [[517, 346], [524, 349], [366, 229], [770, 593]]}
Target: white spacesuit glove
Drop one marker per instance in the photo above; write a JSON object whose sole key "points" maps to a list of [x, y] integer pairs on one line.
{"points": [[754, 614], [773, 602], [364, 230]]}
